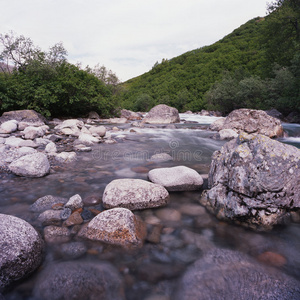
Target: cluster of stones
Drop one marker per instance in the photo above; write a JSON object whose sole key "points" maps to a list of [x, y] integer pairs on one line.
{"points": [[250, 121], [116, 225], [254, 181], [27, 143]]}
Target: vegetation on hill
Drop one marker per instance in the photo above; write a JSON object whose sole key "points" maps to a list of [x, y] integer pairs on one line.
{"points": [[47, 83], [256, 66]]}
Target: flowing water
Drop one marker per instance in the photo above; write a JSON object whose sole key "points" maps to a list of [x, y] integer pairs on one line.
{"points": [[190, 144]]}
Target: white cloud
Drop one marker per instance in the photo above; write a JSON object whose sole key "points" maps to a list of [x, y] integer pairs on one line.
{"points": [[127, 36]]}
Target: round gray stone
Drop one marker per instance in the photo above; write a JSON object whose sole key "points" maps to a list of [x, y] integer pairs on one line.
{"points": [[134, 194], [180, 178], [79, 280], [21, 249]]}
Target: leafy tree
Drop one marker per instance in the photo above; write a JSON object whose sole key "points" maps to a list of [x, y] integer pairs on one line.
{"points": [[47, 83]]}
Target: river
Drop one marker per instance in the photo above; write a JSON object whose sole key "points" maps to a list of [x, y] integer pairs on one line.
{"points": [[190, 144]]}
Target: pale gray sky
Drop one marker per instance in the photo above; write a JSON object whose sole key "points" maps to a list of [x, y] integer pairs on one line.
{"points": [[127, 36]]}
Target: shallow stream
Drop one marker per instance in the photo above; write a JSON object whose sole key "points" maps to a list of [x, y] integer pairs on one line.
{"points": [[154, 269]]}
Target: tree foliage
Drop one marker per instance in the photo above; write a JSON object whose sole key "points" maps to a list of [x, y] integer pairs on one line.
{"points": [[47, 83]]}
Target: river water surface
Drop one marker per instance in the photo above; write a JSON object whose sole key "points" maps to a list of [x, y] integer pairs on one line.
{"points": [[190, 144]]}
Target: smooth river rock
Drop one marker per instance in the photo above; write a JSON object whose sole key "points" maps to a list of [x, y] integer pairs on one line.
{"points": [[32, 165], [21, 249], [227, 274], [117, 226], [162, 114], [78, 280], [254, 181], [134, 194], [180, 178]]}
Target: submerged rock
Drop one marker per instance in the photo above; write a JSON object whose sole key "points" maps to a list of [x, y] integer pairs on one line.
{"points": [[32, 165], [46, 202], [79, 280], [254, 181], [117, 226], [160, 157], [227, 274], [134, 194], [250, 121], [162, 114], [21, 250], [178, 178]]}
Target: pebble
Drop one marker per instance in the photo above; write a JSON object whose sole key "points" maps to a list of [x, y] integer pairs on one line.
{"points": [[65, 213], [272, 258], [73, 250], [55, 234], [91, 200], [74, 202], [74, 219]]}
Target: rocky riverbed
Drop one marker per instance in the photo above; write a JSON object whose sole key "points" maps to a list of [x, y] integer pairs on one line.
{"points": [[170, 239]]}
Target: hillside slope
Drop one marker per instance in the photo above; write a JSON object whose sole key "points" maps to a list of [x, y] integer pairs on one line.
{"points": [[183, 80]]}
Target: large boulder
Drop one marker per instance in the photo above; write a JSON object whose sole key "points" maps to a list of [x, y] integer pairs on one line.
{"points": [[130, 115], [79, 280], [250, 121], [162, 114], [27, 115], [134, 194], [180, 178], [254, 181], [32, 165], [117, 226], [21, 250], [227, 274]]}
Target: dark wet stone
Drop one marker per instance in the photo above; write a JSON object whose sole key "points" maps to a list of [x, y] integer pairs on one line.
{"points": [[155, 272], [79, 280], [73, 250], [86, 214], [91, 200], [227, 274], [65, 213]]}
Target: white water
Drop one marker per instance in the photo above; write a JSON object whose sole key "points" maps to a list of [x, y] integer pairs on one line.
{"points": [[205, 120]]}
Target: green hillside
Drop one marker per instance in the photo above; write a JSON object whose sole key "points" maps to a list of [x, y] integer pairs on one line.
{"points": [[183, 80], [204, 78]]}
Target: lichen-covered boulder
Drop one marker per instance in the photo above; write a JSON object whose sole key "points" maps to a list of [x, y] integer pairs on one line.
{"points": [[79, 280], [180, 178], [254, 181], [227, 274], [162, 114], [21, 250], [32, 165], [117, 226], [26, 115], [134, 194], [250, 121]]}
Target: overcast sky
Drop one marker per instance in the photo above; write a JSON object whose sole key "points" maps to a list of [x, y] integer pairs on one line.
{"points": [[127, 36]]}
